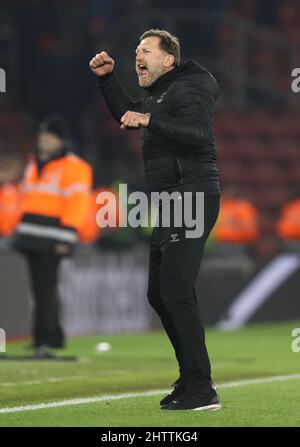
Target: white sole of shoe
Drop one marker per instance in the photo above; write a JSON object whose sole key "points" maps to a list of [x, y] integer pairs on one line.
{"points": [[213, 407]]}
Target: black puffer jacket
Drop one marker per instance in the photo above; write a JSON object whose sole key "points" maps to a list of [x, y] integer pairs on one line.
{"points": [[179, 144]]}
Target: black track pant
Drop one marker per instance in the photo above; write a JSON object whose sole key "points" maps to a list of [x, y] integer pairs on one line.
{"points": [[173, 268], [46, 328]]}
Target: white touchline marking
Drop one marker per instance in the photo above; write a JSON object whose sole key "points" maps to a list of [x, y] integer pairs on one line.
{"points": [[40, 382], [88, 400], [259, 380]]}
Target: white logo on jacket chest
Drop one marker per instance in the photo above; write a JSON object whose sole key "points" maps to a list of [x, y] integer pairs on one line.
{"points": [[161, 97]]}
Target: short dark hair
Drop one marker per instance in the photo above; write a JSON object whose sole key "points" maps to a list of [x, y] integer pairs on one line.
{"points": [[57, 125], [168, 43]]}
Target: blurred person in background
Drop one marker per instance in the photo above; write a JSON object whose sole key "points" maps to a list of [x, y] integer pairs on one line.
{"points": [[10, 174], [91, 232], [237, 227], [55, 200], [175, 121], [288, 224]]}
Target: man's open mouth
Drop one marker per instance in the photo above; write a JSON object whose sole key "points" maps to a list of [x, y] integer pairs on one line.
{"points": [[142, 70]]}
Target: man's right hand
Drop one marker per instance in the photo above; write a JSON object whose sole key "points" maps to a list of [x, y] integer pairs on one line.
{"points": [[102, 64]]}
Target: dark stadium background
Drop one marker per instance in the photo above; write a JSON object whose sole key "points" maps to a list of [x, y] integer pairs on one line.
{"points": [[250, 46]]}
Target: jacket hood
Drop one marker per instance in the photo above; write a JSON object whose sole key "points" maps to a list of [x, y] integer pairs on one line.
{"points": [[185, 69], [190, 66]]}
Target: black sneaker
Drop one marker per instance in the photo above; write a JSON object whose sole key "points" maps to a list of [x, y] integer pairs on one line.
{"points": [[179, 386], [213, 385], [54, 345], [195, 399], [43, 353]]}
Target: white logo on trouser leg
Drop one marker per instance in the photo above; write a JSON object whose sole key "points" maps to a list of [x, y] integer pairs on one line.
{"points": [[174, 237]]}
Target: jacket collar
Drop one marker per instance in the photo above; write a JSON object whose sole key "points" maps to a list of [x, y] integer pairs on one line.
{"points": [[166, 79], [162, 82]]}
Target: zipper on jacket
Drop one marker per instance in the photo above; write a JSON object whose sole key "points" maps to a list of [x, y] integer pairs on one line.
{"points": [[180, 170]]}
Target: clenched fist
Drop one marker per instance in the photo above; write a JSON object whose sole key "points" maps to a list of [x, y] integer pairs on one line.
{"points": [[134, 120], [102, 64]]}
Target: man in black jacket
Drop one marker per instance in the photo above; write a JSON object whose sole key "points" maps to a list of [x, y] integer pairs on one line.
{"points": [[175, 118]]}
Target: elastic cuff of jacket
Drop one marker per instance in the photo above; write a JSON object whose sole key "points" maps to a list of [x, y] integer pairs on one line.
{"points": [[103, 79], [152, 121]]}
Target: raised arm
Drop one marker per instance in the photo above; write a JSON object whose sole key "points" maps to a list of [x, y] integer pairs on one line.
{"points": [[117, 98]]}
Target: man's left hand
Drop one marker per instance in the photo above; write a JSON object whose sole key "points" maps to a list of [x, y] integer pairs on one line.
{"points": [[134, 120]]}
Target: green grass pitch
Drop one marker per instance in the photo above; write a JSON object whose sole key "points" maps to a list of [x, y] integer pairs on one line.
{"points": [[145, 362]]}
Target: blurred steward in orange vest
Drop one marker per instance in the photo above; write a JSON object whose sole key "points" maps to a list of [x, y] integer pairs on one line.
{"points": [[238, 220], [55, 200], [288, 225], [91, 232], [10, 171]]}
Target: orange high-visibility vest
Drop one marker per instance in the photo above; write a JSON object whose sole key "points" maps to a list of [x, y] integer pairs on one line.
{"points": [[54, 202], [10, 211], [237, 222], [288, 225]]}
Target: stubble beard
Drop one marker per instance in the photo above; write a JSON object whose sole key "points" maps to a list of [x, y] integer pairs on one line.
{"points": [[152, 76]]}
